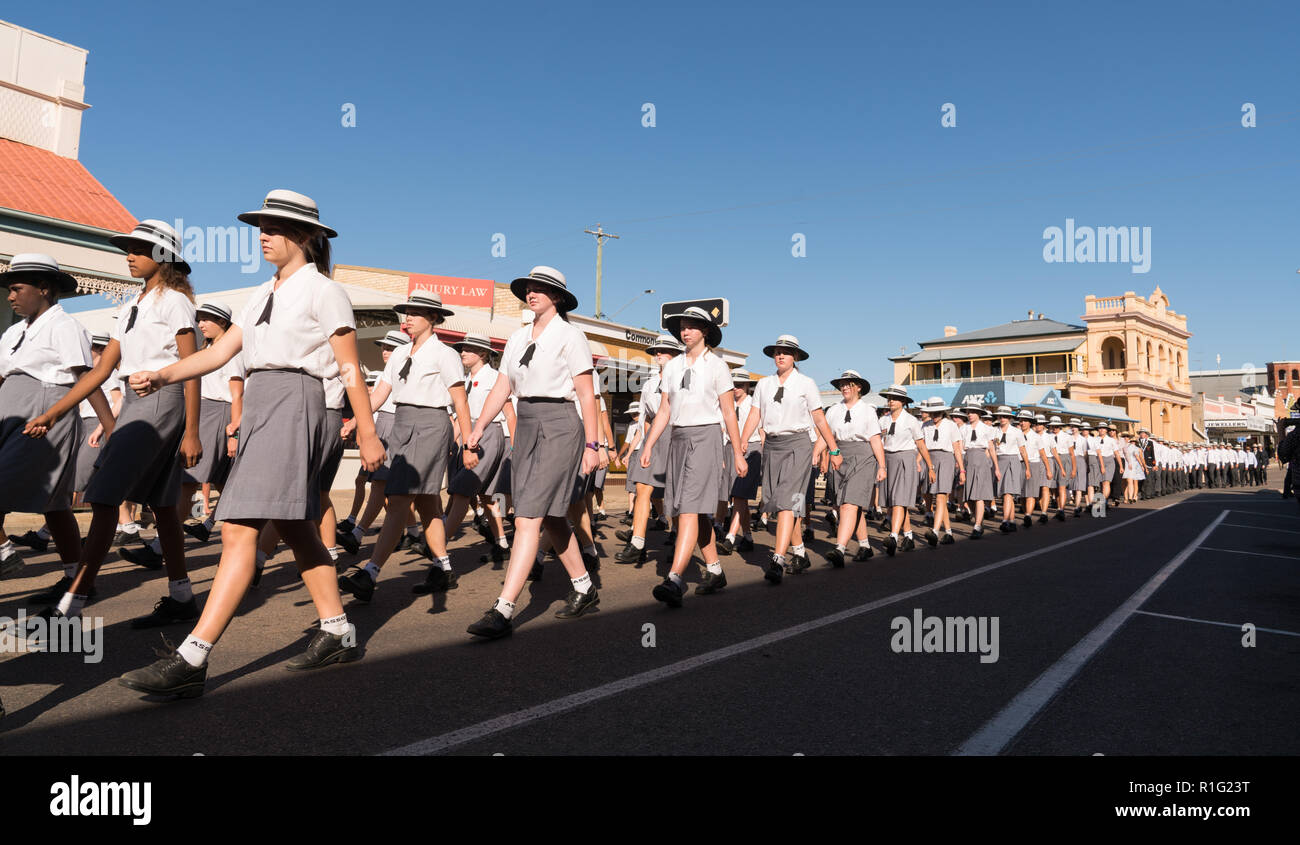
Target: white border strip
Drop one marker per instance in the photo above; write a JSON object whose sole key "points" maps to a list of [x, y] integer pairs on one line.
{"points": [[998, 732], [1235, 625]]}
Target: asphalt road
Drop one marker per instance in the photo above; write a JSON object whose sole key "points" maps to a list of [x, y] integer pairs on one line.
{"points": [[1083, 665]]}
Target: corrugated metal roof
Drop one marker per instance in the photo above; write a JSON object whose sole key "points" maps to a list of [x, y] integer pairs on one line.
{"points": [[1000, 350], [1016, 328], [39, 182]]}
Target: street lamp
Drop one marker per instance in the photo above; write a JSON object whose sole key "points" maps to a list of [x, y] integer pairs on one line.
{"points": [[628, 305]]}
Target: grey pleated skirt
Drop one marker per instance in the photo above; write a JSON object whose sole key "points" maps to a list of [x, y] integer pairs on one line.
{"points": [[748, 486], [786, 460], [421, 445], [901, 479], [36, 473], [500, 483], [856, 477], [1037, 478], [141, 461], [728, 471], [810, 494], [471, 482], [1094, 471], [945, 467], [214, 466], [333, 454], [979, 475], [276, 473], [656, 473], [548, 445], [694, 480], [86, 455], [598, 479], [1013, 475], [384, 431], [1079, 484]]}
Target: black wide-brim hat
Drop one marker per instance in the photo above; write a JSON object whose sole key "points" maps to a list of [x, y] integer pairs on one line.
{"points": [[33, 267], [550, 277], [712, 337]]}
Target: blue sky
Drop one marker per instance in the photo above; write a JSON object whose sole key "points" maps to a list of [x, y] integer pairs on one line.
{"points": [[771, 120]]}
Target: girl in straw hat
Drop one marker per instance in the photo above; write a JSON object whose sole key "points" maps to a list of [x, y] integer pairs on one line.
{"points": [[980, 461], [1012, 470], [295, 331], [857, 432], [903, 441], [743, 487], [649, 480]]}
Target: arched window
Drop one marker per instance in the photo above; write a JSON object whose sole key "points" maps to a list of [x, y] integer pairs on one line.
{"points": [[1179, 373], [1112, 354], [1150, 362]]}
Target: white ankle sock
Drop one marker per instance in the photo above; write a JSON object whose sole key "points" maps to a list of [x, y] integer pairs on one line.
{"points": [[445, 563], [503, 543], [180, 590], [841, 547], [582, 583], [337, 625], [70, 570], [334, 553], [130, 528], [195, 651], [372, 569], [638, 542], [505, 608], [71, 605], [798, 550], [8, 546], [44, 532], [731, 538], [715, 567], [676, 579]]}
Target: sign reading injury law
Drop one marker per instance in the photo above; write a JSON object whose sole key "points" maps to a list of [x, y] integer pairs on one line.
{"points": [[476, 293]]}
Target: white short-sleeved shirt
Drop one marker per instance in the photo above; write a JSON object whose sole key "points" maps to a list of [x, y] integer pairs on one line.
{"points": [[651, 397], [900, 435], [477, 387], [743, 410], [389, 405], [1033, 443], [633, 431], [334, 392], [941, 434], [976, 436], [1009, 442], [1106, 446], [110, 384], [860, 426], [435, 369], [53, 346], [151, 342], [216, 384], [560, 354], [306, 310], [798, 401], [694, 388]]}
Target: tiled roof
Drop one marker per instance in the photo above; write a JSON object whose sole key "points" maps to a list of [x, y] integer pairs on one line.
{"points": [[1014, 329], [39, 182]]}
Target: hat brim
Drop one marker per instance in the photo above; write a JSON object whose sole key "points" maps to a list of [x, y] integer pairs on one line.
{"points": [[519, 287], [674, 324], [462, 345], [940, 410], [122, 242], [254, 218], [901, 397], [837, 383], [406, 307], [672, 350], [65, 282], [799, 354], [229, 318]]}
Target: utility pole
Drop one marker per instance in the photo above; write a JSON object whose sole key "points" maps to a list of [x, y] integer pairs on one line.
{"points": [[600, 243]]}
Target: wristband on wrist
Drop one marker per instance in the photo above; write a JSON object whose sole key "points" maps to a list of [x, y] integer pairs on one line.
{"points": [[594, 446], [834, 452]]}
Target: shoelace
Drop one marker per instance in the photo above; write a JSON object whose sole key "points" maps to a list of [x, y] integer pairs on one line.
{"points": [[528, 355], [266, 312]]}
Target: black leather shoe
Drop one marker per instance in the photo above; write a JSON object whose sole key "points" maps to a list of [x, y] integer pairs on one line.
{"points": [[832, 518], [1078, 511], [169, 676], [496, 554], [198, 531], [947, 539], [143, 556], [931, 537], [1042, 518], [405, 543], [668, 593], [421, 548], [630, 554], [807, 535], [55, 592], [744, 544], [724, 546], [1060, 515], [121, 538], [977, 533], [864, 552], [711, 584], [346, 525], [438, 580], [891, 545], [31, 540], [1029, 521], [484, 527], [358, 582], [577, 604], [348, 541], [624, 534], [167, 611], [772, 571], [908, 544], [326, 648], [11, 563], [836, 558], [492, 626], [535, 574], [1011, 526], [1006, 527], [798, 564], [627, 519]]}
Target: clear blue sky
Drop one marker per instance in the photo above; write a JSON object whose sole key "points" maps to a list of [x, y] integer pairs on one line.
{"points": [[771, 119]]}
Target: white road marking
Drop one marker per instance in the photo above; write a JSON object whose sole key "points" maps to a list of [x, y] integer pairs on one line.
{"points": [[1239, 552], [1261, 528], [998, 732], [444, 742], [1236, 625]]}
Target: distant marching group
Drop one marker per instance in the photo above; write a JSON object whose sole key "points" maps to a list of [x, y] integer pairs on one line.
{"points": [[258, 411]]}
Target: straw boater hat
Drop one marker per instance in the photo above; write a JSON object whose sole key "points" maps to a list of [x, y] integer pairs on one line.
{"points": [[896, 391], [372, 377], [163, 242], [212, 309], [739, 379], [99, 340], [934, 405], [986, 414], [1085, 426], [1075, 421], [475, 342], [666, 343], [848, 376], [1145, 430], [634, 409], [1025, 415], [550, 277], [393, 339], [972, 408], [1103, 424], [33, 267], [786, 341], [423, 300], [1004, 411], [674, 323], [1040, 418], [288, 205], [1054, 420]]}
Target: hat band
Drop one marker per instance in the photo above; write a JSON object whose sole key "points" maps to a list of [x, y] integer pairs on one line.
{"points": [[170, 240], [542, 277], [287, 205], [27, 267]]}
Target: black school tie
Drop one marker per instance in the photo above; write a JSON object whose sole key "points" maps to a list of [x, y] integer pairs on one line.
{"points": [[780, 394], [1004, 437], [891, 428], [130, 321], [936, 434], [528, 355], [972, 434], [686, 380], [19, 343], [405, 371], [266, 312], [848, 416]]}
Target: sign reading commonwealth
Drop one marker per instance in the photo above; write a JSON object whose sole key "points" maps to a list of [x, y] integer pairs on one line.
{"points": [[718, 308], [643, 338], [476, 293]]}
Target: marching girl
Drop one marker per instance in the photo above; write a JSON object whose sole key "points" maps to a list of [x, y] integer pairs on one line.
{"points": [[958, 417], [1079, 480], [857, 431], [903, 440], [296, 330], [469, 485], [743, 487], [1036, 464], [154, 439], [546, 364], [696, 398], [1063, 448], [1094, 461], [426, 379], [650, 480], [1048, 455], [1012, 469], [788, 407], [980, 462], [383, 429], [631, 442], [1134, 468], [945, 447], [1109, 459], [41, 357]]}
